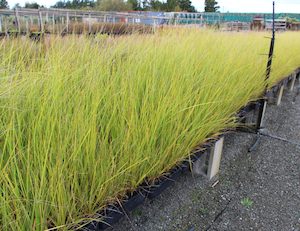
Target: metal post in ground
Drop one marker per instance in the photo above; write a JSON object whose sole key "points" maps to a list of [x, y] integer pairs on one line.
{"points": [[263, 101]]}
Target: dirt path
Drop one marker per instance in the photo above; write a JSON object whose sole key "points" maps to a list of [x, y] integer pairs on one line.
{"points": [[257, 191]]}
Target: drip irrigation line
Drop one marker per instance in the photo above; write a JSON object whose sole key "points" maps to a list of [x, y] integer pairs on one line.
{"points": [[280, 139], [218, 215], [260, 133]]}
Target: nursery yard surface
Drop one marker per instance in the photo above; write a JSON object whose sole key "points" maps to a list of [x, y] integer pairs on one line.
{"points": [[256, 191]]}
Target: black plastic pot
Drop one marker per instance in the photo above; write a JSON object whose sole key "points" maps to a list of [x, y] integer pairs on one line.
{"points": [[163, 183], [285, 82], [111, 216], [247, 109], [134, 201], [113, 213]]}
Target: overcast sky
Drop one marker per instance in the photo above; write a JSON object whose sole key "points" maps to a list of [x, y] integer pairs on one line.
{"points": [[286, 6]]}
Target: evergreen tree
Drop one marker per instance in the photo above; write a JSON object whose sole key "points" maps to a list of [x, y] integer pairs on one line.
{"points": [[186, 5], [156, 5], [74, 4], [3, 4], [146, 5], [211, 6], [113, 5], [135, 5], [32, 5], [171, 5]]}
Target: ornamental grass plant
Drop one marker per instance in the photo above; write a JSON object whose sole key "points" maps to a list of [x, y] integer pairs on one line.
{"points": [[83, 121]]}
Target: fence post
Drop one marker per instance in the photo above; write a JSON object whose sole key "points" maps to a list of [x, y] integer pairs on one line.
{"points": [[53, 24], [90, 23], [17, 20], [47, 17], [1, 23], [5, 25], [41, 21], [27, 27], [68, 20]]}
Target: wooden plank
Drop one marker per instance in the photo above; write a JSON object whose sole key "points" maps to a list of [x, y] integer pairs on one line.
{"points": [[292, 85], [263, 115], [215, 159], [279, 96]]}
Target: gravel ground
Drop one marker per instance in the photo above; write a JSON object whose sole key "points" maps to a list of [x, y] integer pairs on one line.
{"points": [[256, 191]]}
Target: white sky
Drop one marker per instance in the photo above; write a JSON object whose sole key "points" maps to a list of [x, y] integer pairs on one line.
{"points": [[257, 6]]}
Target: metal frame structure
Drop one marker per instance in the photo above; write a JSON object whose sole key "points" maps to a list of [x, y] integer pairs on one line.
{"points": [[66, 16]]}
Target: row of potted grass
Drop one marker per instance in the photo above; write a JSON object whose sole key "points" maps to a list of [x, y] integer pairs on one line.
{"points": [[83, 120]]}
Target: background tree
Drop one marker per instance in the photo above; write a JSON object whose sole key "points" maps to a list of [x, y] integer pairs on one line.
{"points": [[75, 4], [135, 5], [113, 5], [125, 5], [59, 4], [3, 4], [146, 5], [17, 5], [186, 5], [211, 6], [32, 5], [156, 5], [171, 5]]}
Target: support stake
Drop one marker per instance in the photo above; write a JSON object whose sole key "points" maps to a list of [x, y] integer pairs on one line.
{"points": [[263, 101]]}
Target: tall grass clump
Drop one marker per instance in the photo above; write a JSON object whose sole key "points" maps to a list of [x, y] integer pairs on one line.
{"points": [[84, 121]]}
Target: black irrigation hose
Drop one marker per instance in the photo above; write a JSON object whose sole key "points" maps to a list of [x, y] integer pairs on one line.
{"points": [[218, 215], [260, 134], [280, 139]]}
